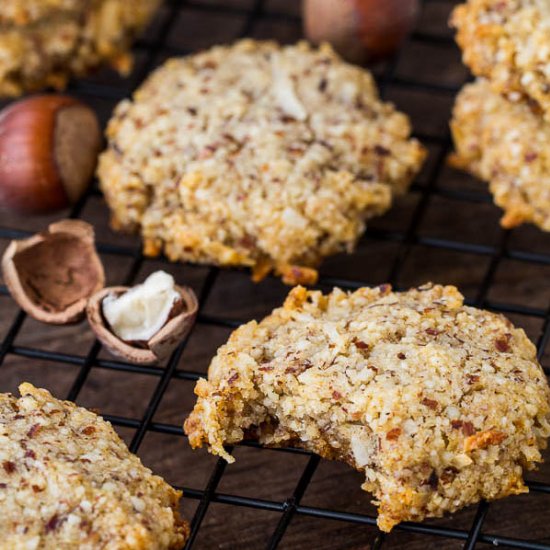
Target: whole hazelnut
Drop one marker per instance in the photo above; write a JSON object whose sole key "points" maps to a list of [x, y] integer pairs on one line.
{"points": [[49, 146], [360, 30]]}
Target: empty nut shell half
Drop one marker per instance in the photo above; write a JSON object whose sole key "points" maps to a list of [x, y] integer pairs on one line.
{"points": [[52, 274], [158, 347]]}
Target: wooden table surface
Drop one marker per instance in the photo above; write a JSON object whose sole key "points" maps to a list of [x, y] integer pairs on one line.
{"points": [[422, 214]]}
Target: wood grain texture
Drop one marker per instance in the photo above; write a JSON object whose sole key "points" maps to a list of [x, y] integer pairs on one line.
{"points": [[268, 474]]}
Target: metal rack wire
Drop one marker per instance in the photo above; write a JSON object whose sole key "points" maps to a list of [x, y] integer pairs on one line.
{"points": [[406, 242]]}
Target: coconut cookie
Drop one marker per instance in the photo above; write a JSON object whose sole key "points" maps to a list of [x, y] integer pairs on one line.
{"points": [[256, 155], [505, 144], [68, 481], [439, 404], [509, 43], [44, 42]]}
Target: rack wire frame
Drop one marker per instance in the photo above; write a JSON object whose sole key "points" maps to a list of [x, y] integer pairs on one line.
{"points": [[406, 241]]}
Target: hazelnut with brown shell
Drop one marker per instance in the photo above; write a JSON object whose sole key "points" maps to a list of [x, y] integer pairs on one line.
{"points": [[360, 30], [49, 146]]}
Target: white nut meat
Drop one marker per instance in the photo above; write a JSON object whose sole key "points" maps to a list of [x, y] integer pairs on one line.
{"points": [[142, 311], [145, 323]]}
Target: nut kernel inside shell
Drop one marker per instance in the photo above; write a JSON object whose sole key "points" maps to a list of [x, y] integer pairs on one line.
{"points": [[178, 307], [139, 313], [179, 322], [55, 273]]}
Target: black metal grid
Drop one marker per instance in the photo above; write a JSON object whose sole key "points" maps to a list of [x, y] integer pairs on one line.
{"points": [[406, 242]]}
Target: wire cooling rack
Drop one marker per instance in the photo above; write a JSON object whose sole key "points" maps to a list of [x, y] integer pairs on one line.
{"points": [[453, 224]]}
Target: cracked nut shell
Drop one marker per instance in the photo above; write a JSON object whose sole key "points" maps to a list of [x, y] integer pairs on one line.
{"points": [[52, 274], [158, 347]]}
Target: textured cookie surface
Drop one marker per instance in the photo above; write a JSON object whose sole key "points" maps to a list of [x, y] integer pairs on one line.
{"points": [[509, 43], [44, 42], [68, 481], [505, 144], [439, 404], [257, 155]]}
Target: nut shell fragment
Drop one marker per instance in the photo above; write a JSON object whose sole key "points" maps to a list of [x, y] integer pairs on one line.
{"points": [[157, 348], [52, 274]]}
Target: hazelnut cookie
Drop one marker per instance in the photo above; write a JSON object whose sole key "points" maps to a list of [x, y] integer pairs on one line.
{"points": [[505, 144], [256, 155], [438, 404], [508, 42], [44, 42], [68, 481]]}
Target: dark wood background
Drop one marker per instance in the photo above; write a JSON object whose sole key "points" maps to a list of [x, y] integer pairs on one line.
{"points": [[267, 474]]}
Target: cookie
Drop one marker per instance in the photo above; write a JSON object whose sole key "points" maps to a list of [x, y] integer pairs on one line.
{"points": [[438, 404], [43, 43], [68, 481], [256, 155], [505, 144], [508, 43]]}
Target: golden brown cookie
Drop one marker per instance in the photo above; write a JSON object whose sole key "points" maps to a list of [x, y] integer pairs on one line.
{"points": [[68, 481], [44, 42], [505, 144], [439, 404], [256, 155], [508, 42]]}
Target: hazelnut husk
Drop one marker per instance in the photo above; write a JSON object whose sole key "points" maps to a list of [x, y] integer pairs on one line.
{"points": [[52, 274], [159, 347], [49, 145], [360, 30]]}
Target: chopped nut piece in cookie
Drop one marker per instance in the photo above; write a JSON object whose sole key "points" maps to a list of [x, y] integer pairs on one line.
{"points": [[482, 440]]}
